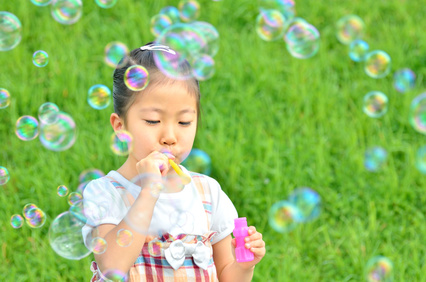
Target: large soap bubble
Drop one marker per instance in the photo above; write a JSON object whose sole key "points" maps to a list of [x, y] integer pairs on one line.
{"points": [[10, 31], [60, 135]]}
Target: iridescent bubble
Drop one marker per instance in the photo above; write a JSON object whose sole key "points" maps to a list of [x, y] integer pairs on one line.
{"points": [[35, 218], [211, 35], [136, 78], [270, 24], [189, 10], [375, 104], [40, 58], [357, 50], [308, 203], [421, 159], [26, 128], [4, 175], [10, 31], [284, 216], [379, 269], [417, 115], [60, 135], [65, 237], [203, 67], [98, 245], [375, 158], [106, 3], [62, 190], [48, 113], [82, 186], [99, 96], [198, 161], [124, 237], [66, 11], [16, 221], [27, 208], [41, 3], [121, 143], [114, 52], [159, 23], [286, 7], [4, 98], [349, 28], [302, 39], [74, 198], [377, 64], [171, 12], [404, 80], [90, 174], [115, 275]]}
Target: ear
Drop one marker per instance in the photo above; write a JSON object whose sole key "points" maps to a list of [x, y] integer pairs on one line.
{"points": [[117, 122]]}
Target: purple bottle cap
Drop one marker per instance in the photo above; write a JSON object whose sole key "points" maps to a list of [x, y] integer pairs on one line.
{"points": [[240, 222]]}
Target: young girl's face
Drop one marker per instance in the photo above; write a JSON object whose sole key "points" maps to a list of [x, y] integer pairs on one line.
{"points": [[161, 118]]}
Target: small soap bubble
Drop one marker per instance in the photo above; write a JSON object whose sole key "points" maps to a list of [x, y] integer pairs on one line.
{"points": [[136, 78], [308, 203], [4, 175], [74, 198], [302, 39], [114, 53], [121, 143], [349, 28], [404, 80], [270, 24], [62, 190], [40, 58], [35, 218], [211, 35], [159, 23], [90, 174], [59, 135], [417, 114], [124, 237], [48, 113], [115, 275], [357, 50], [189, 10], [27, 208], [4, 98], [66, 11], [26, 128], [375, 104], [41, 3], [98, 245], [106, 3], [377, 64], [10, 31], [284, 216], [171, 12], [379, 269], [203, 67], [16, 221], [286, 7], [198, 161], [375, 158], [99, 96], [421, 159]]}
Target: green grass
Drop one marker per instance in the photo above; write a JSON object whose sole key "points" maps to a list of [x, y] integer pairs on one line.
{"points": [[266, 117]]}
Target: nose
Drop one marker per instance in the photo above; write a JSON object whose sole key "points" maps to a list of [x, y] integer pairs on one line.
{"points": [[168, 136]]}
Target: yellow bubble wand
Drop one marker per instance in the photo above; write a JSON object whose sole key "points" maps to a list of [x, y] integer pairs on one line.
{"points": [[183, 176]]}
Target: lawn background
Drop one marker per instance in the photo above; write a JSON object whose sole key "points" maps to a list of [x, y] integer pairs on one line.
{"points": [[271, 123]]}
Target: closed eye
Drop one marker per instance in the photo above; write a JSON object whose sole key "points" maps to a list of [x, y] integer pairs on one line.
{"points": [[185, 123], [152, 121]]}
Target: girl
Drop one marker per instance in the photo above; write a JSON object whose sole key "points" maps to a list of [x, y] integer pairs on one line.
{"points": [[182, 235]]}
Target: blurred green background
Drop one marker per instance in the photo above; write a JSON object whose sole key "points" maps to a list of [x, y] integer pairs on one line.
{"points": [[270, 123]]}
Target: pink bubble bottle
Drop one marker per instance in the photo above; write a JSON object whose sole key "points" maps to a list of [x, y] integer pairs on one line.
{"points": [[240, 232]]}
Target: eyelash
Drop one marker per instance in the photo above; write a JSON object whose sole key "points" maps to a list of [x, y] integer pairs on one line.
{"points": [[152, 122]]}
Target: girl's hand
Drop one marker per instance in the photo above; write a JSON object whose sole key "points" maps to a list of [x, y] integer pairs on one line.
{"points": [[255, 244], [155, 163]]}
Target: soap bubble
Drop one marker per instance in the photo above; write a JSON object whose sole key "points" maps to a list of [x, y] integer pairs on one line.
{"points": [[211, 35], [421, 159], [62, 190], [41, 3], [115, 275], [198, 161], [66, 11], [377, 64], [90, 174], [121, 143], [106, 3], [171, 12], [375, 104], [357, 50], [26, 128], [65, 237], [159, 23], [35, 217], [10, 31], [48, 113], [4, 98], [404, 80], [4, 175], [302, 39], [379, 269], [26, 209], [189, 10], [40, 58], [16, 221], [114, 52], [284, 216], [60, 135], [74, 197], [418, 113], [136, 78], [203, 67], [286, 7], [349, 28], [98, 245], [307, 201], [375, 158], [270, 24], [99, 96], [124, 237]]}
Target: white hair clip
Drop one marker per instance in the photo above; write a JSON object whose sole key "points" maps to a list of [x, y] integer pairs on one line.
{"points": [[158, 48]]}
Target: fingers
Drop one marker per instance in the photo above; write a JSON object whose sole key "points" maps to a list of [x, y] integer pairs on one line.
{"points": [[155, 162], [254, 242]]}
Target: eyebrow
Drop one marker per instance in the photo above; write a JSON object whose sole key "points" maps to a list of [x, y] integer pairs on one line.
{"points": [[153, 109]]}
